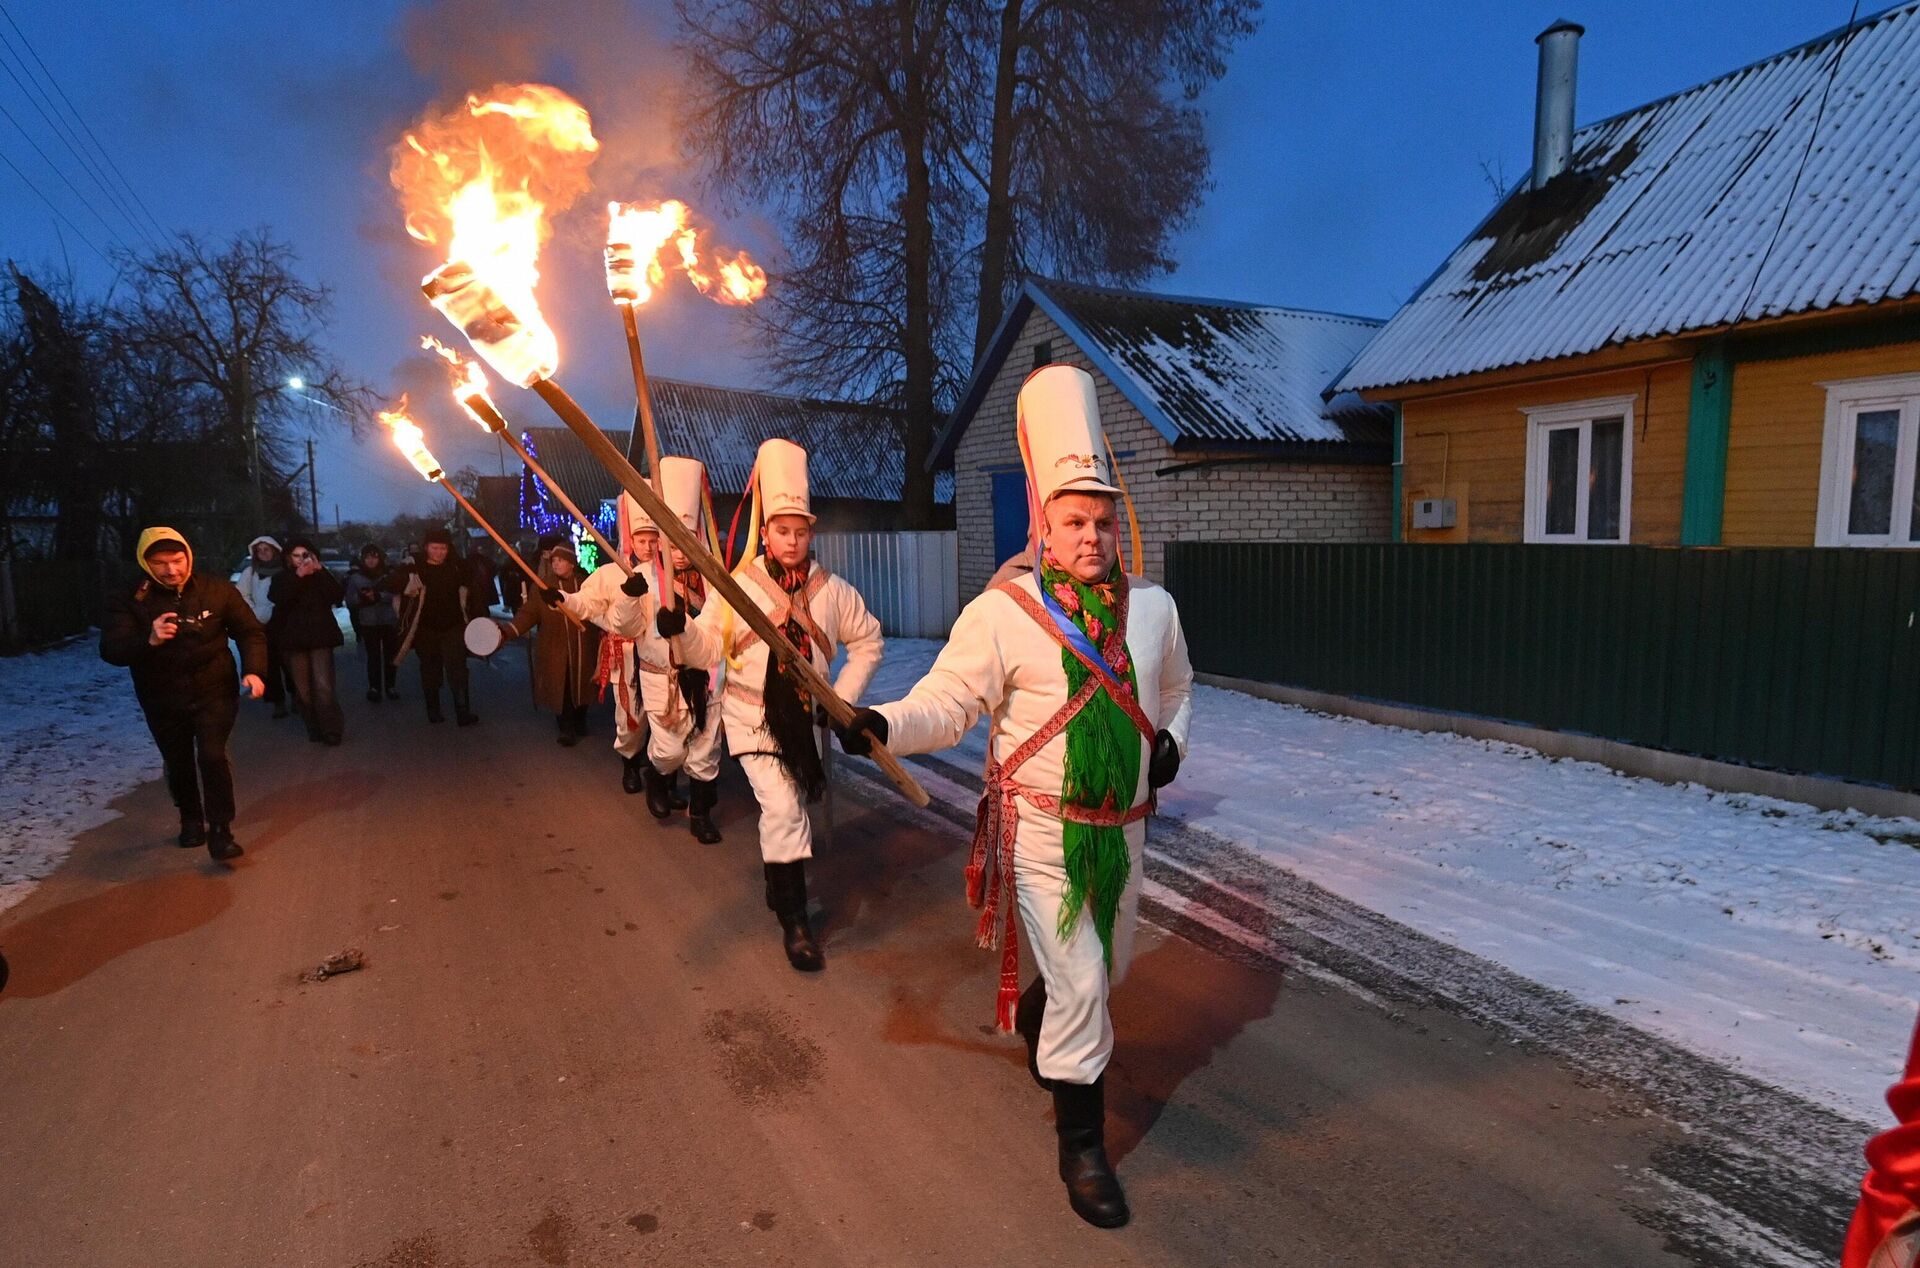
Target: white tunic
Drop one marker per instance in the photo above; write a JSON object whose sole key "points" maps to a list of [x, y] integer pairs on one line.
{"points": [[1000, 663], [837, 609]]}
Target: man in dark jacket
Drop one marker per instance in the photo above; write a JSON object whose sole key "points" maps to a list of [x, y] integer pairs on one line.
{"points": [[306, 632], [172, 630], [375, 622], [433, 592]]}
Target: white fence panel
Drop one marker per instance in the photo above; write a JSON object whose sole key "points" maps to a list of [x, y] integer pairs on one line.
{"points": [[911, 581]]}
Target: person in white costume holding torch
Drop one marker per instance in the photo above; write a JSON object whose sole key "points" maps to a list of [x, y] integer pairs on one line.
{"points": [[769, 717], [1084, 674]]}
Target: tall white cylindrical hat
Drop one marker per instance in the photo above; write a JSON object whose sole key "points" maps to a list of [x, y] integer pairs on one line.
{"points": [[683, 481], [782, 469], [1058, 418], [633, 518]]}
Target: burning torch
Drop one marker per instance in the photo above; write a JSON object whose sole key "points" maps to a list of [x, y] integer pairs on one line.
{"points": [[412, 443], [470, 390], [529, 358]]}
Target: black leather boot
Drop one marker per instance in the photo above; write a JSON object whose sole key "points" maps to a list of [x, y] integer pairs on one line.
{"points": [[787, 895], [1026, 1023], [657, 804], [1080, 1118], [193, 834], [676, 798], [462, 712], [703, 797], [220, 843], [433, 706], [633, 776]]}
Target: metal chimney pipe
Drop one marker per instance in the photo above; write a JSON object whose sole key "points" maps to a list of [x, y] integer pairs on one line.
{"points": [[1553, 100]]}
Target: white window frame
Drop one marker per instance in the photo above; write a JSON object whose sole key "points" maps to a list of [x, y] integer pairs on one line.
{"points": [[1542, 419], [1846, 399]]}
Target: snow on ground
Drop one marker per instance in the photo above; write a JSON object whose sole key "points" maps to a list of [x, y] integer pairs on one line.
{"points": [[1762, 934], [72, 740]]}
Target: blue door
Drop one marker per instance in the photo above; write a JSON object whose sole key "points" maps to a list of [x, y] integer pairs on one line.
{"points": [[1009, 515]]}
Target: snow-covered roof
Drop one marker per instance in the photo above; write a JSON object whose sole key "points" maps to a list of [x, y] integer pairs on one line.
{"points": [[1207, 373], [1670, 218], [853, 451]]}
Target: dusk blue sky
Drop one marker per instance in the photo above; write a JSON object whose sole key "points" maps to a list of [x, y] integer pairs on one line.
{"points": [[1349, 142]]}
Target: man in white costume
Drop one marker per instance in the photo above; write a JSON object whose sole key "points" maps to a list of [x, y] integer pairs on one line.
{"points": [[1084, 674], [769, 716], [603, 589], [683, 728]]}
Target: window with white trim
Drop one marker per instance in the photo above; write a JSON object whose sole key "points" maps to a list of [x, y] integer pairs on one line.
{"points": [[1868, 493], [1580, 471]]}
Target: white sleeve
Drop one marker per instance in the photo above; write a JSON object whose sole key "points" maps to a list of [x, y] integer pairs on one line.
{"points": [[703, 642], [591, 600], [968, 680], [859, 633], [1176, 685]]}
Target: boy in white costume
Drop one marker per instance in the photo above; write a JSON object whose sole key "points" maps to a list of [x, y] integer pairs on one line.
{"points": [[603, 589], [769, 716], [683, 723], [1084, 673]]}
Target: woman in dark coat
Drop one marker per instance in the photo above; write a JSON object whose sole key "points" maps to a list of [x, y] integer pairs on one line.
{"points": [[304, 628], [566, 652]]}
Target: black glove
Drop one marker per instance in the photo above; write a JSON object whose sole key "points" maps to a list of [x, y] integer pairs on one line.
{"points": [[821, 717], [635, 585], [670, 621], [1165, 762], [858, 736], [553, 597]]}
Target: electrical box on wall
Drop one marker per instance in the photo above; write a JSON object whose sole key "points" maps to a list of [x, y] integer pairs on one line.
{"points": [[1434, 513]]}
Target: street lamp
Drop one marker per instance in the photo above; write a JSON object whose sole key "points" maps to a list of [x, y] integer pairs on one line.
{"points": [[297, 383]]}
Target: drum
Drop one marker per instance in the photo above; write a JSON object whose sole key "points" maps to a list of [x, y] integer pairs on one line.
{"points": [[484, 636]]}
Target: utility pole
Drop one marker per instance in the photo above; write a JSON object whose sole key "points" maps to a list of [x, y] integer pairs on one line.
{"points": [[313, 489]]}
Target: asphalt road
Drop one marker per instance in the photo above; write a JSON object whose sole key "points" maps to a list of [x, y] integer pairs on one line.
{"points": [[576, 1041]]}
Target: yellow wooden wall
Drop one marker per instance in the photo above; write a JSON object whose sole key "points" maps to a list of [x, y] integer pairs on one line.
{"points": [[1480, 440], [1774, 437]]}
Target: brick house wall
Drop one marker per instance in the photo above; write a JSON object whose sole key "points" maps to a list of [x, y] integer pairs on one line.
{"points": [[1247, 499]]}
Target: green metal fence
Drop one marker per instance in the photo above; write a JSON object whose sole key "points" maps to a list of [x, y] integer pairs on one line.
{"points": [[1799, 660]]}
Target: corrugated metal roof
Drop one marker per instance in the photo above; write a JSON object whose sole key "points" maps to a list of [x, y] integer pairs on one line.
{"points": [[1224, 371], [1664, 220], [853, 451], [1205, 372]]}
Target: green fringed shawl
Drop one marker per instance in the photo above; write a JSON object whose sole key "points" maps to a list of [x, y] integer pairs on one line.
{"points": [[1103, 761]]}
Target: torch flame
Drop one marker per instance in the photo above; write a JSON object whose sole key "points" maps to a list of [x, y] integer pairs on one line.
{"points": [[469, 384], [411, 441], [482, 181], [644, 242]]}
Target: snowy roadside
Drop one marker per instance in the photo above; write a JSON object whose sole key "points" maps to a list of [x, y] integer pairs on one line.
{"points": [[73, 741], [1763, 935]]}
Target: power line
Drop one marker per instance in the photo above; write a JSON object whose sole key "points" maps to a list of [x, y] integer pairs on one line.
{"points": [[36, 96], [64, 178], [79, 118], [55, 209]]}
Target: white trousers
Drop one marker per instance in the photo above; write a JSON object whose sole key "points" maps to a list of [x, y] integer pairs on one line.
{"points": [[1076, 1036], [786, 833], [671, 748]]}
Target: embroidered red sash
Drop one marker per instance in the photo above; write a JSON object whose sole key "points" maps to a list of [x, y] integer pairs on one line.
{"points": [[990, 885]]}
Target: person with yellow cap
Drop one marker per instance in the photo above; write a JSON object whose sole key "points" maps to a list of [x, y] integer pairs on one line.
{"points": [[1084, 675], [769, 716], [171, 630]]}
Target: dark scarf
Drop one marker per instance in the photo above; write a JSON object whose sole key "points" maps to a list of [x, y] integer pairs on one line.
{"points": [[789, 704], [1103, 757]]}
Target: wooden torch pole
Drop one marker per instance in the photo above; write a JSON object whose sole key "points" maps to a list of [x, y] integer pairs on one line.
{"points": [[576, 419]]}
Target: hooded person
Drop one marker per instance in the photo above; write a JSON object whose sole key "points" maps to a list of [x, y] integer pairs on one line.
{"points": [[171, 631], [566, 648], [255, 582], [305, 631], [680, 720], [1083, 673], [1885, 1232], [769, 716], [433, 595]]}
